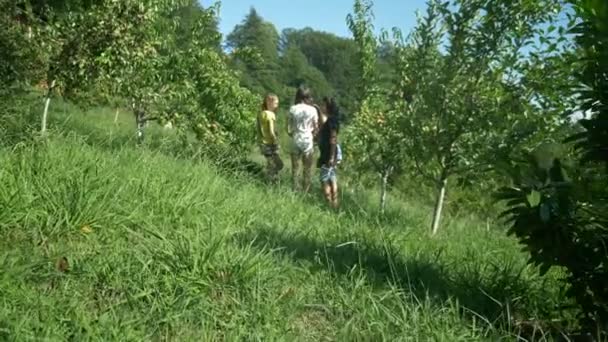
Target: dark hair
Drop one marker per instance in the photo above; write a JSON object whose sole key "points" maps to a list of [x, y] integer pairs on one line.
{"points": [[317, 108], [303, 95], [333, 109]]}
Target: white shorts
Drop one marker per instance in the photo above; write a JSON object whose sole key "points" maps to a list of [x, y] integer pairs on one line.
{"points": [[302, 145]]}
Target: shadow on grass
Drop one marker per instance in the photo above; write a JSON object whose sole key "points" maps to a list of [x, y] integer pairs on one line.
{"points": [[479, 292], [355, 207]]}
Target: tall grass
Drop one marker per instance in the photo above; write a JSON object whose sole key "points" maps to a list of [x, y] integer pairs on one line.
{"points": [[163, 248]]}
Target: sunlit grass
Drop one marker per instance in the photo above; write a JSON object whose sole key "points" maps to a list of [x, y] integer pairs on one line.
{"points": [[163, 248]]}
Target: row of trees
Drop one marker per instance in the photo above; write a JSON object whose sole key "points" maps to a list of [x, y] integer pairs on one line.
{"points": [[162, 59], [475, 84], [478, 85], [467, 91]]}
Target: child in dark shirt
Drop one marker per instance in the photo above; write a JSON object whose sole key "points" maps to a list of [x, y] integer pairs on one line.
{"points": [[328, 148]]}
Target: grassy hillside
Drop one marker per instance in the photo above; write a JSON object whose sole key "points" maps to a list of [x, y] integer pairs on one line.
{"points": [[161, 247]]}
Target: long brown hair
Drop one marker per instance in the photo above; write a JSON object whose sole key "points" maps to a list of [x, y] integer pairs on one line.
{"points": [[332, 106]]}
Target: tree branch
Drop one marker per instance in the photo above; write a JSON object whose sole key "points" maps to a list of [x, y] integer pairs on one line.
{"points": [[149, 118], [421, 171]]}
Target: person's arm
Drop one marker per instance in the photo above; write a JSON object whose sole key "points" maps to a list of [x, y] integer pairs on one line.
{"points": [[315, 124], [273, 135], [333, 146], [289, 123]]}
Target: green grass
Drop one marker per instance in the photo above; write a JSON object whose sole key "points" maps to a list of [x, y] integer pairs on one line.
{"points": [[162, 247]]}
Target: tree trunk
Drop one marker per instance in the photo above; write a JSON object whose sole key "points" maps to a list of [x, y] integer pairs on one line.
{"points": [[383, 189], [439, 204], [47, 103], [116, 116], [139, 121]]}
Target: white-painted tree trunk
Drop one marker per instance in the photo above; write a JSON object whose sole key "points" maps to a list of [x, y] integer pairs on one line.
{"points": [[140, 131], [439, 205], [47, 103], [383, 189], [116, 116], [141, 124]]}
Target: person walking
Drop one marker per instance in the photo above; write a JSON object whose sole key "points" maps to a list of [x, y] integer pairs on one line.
{"points": [[328, 150], [302, 127], [269, 142]]}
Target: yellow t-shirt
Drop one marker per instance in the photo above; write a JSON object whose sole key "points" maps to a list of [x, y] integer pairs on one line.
{"points": [[266, 125]]}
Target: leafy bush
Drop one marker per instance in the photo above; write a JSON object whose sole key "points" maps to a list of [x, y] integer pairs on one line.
{"points": [[563, 220]]}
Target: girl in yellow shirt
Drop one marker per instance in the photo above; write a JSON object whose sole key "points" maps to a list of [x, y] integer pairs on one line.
{"points": [[268, 139]]}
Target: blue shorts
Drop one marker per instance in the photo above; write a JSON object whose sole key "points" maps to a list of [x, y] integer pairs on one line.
{"points": [[328, 175]]}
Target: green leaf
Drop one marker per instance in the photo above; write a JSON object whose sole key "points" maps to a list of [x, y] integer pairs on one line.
{"points": [[533, 198]]}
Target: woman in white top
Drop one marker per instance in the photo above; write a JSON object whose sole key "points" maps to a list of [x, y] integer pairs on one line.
{"points": [[302, 126]]}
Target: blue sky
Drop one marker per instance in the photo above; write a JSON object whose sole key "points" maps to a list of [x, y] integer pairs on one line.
{"points": [[322, 15]]}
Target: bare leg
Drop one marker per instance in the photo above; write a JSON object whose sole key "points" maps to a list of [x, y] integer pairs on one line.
{"points": [[295, 168], [307, 161], [326, 187], [335, 202]]}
